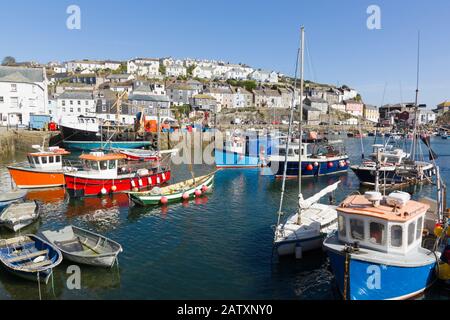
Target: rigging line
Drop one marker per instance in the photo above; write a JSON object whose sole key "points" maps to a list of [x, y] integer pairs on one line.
{"points": [[310, 62], [291, 116]]}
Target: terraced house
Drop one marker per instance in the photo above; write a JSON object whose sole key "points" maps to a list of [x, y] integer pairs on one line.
{"points": [[23, 91]]}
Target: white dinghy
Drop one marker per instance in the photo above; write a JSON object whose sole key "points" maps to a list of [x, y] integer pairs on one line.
{"points": [[306, 232], [20, 215]]}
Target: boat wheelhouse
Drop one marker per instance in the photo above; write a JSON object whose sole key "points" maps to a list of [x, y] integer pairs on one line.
{"points": [[247, 150], [316, 159], [104, 174], [377, 252], [43, 170]]}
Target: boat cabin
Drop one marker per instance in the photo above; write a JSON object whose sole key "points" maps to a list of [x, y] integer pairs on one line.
{"points": [[50, 159], [388, 154], [99, 163], [391, 224], [293, 150]]}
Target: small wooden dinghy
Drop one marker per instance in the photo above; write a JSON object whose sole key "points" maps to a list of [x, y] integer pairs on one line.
{"points": [[176, 192], [13, 196], [20, 215], [84, 247], [29, 257]]}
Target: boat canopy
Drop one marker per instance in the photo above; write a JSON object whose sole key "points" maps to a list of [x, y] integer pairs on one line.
{"points": [[391, 224], [47, 159]]}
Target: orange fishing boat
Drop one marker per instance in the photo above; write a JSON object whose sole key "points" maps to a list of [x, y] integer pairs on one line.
{"points": [[44, 169]]}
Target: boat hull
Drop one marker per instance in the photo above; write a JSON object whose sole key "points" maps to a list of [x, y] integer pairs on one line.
{"points": [[96, 145], [150, 200], [31, 179], [226, 159], [286, 248], [321, 167], [78, 187], [366, 176], [104, 261]]}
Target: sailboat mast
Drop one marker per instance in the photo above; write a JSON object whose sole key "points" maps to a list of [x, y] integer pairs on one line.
{"points": [[302, 70], [415, 141], [288, 139]]}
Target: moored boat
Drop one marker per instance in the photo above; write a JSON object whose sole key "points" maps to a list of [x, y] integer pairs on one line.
{"points": [[177, 192], [20, 215], [306, 230], [84, 247], [107, 145], [29, 257], [43, 170], [7, 198], [139, 154], [377, 252], [104, 174], [324, 159]]}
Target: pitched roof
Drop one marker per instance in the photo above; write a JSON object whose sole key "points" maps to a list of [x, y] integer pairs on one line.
{"points": [[444, 104], [74, 95], [148, 97], [21, 74]]}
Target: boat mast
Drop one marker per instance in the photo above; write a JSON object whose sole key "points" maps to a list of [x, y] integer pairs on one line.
{"points": [[302, 69], [288, 139], [415, 141]]}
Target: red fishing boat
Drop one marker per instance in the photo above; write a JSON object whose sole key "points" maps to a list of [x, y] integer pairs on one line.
{"points": [[105, 174]]}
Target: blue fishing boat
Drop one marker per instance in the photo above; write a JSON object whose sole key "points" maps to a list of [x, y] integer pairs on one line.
{"points": [[243, 151], [29, 257], [377, 252], [324, 159], [99, 145]]}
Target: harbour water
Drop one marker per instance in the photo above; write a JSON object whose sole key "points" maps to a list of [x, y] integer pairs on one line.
{"points": [[216, 247]]}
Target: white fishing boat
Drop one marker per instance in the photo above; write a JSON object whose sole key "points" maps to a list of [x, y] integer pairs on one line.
{"points": [[6, 198], [84, 247], [20, 215]]}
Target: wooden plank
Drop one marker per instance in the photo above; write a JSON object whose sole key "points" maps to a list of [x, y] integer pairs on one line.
{"points": [[35, 265], [27, 256], [15, 242]]}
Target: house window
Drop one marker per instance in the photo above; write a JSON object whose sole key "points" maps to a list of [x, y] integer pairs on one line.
{"points": [[79, 102], [79, 110], [64, 109], [2, 99], [104, 108], [14, 101], [377, 233], [64, 102], [71, 109], [396, 236], [86, 110], [13, 87], [71, 102], [357, 229]]}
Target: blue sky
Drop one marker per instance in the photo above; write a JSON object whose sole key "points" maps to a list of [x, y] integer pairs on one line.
{"points": [[263, 34]]}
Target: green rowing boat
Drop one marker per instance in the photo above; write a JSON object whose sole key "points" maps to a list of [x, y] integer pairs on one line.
{"points": [[177, 192]]}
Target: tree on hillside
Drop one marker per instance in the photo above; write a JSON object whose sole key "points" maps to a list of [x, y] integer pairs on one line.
{"points": [[190, 69], [162, 69], [9, 61]]}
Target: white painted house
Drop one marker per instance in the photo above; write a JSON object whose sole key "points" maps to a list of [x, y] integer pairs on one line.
{"points": [[146, 67], [264, 76], [203, 72], [91, 65], [74, 104], [176, 70], [23, 91]]}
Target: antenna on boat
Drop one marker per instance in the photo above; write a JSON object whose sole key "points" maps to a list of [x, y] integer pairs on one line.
{"points": [[414, 143], [302, 69], [288, 138]]}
